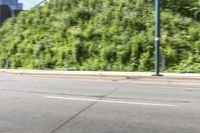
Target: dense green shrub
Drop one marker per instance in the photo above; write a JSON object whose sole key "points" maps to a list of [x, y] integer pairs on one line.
{"points": [[105, 35]]}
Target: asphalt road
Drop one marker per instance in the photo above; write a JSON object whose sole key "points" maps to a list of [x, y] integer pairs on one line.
{"points": [[31, 104]]}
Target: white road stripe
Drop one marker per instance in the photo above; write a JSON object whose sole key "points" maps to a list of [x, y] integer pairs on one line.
{"points": [[110, 101]]}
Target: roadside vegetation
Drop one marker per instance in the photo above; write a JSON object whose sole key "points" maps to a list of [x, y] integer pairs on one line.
{"points": [[109, 35]]}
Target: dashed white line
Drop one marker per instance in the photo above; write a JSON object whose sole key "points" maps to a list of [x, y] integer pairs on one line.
{"points": [[110, 101]]}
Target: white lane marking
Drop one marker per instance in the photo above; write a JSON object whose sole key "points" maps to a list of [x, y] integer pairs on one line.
{"points": [[110, 101]]}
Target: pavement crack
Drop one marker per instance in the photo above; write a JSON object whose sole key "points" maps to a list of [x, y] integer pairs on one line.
{"points": [[71, 118], [83, 110], [113, 91]]}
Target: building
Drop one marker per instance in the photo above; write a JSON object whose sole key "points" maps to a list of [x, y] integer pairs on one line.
{"points": [[9, 8], [13, 4]]}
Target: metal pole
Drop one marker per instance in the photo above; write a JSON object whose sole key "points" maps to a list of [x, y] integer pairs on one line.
{"points": [[40, 3], [157, 37]]}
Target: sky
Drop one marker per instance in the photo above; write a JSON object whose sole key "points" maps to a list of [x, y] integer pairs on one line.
{"points": [[29, 3]]}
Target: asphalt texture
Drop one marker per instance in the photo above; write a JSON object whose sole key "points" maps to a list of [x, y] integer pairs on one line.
{"points": [[48, 104]]}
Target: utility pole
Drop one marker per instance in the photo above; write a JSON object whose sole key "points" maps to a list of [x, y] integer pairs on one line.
{"points": [[157, 38]]}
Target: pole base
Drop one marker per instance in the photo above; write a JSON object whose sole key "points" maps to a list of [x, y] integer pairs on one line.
{"points": [[157, 75]]}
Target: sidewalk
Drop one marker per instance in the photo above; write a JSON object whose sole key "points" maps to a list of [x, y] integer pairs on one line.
{"points": [[102, 74]]}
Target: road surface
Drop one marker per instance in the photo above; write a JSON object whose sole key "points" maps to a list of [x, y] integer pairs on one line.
{"points": [[42, 104]]}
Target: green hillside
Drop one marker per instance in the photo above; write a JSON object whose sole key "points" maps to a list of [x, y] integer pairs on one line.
{"points": [[105, 35]]}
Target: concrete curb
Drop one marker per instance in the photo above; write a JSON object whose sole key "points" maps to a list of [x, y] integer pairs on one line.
{"points": [[103, 74]]}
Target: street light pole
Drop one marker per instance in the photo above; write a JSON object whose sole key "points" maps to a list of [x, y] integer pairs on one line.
{"points": [[157, 38]]}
